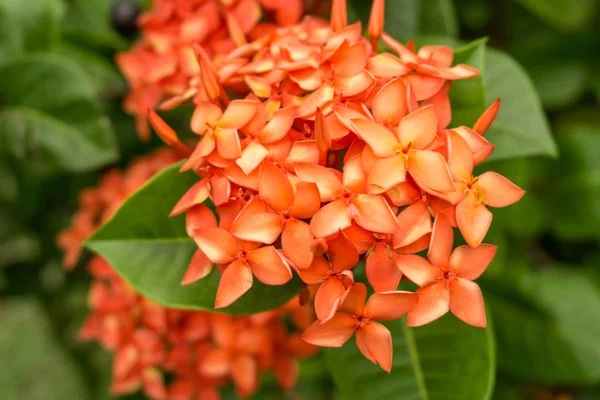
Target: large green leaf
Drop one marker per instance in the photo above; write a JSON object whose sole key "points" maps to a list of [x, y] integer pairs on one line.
{"points": [[89, 22], [11, 38], [36, 21], [34, 365], [467, 96], [444, 360], [437, 17], [51, 115], [547, 327], [152, 251], [567, 15], [521, 128]]}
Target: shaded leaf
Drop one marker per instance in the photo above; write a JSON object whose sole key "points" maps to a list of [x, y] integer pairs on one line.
{"points": [[37, 21], [566, 15], [152, 251]]}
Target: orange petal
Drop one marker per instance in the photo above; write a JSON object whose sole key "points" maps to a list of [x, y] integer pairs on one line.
{"points": [[332, 333], [307, 201], [385, 65], [378, 137], [439, 206], [328, 298], [424, 86], [378, 340], [373, 213], [473, 219], [217, 244], [441, 103], [497, 190], [353, 85], [314, 100], [279, 125], [403, 194], [200, 266], [197, 194], [440, 56], [361, 238], [238, 113], [322, 137], [330, 219], [236, 175], [381, 270], [466, 302], [259, 86], [326, 179], [354, 177], [257, 227], [342, 253], [199, 217], [235, 281], [274, 187], [349, 60], [389, 104], [434, 301], [268, 266], [403, 51], [228, 143], [486, 119], [220, 189], [376, 19], [389, 306], [417, 269], [354, 299], [317, 272], [361, 343], [459, 71], [429, 170], [244, 373], [205, 114], [460, 157], [416, 247], [203, 149], [296, 239], [469, 263], [338, 15], [302, 151], [252, 156], [215, 363], [442, 240], [386, 173], [166, 133], [418, 128], [413, 223]]}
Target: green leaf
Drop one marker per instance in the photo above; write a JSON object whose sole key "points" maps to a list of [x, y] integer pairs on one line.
{"points": [[560, 83], [152, 251], [11, 38], [444, 360], [37, 21], [438, 17], [566, 15], [52, 116], [467, 96], [547, 329], [35, 367], [89, 22], [521, 128]]}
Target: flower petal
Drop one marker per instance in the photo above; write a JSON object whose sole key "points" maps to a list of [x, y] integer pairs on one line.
{"points": [[460, 157], [498, 191], [389, 104], [354, 85], [235, 281], [434, 301], [386, 173], [238, 113], [361, 343], [485, 120], [257, 227], [199, 217], [322, 137], [228, 143], [373, 213], [429, 170], [440, 56], [274, 187], [342, 253], [473, 219], [332, 333], [330, 219], [354, 300], [307, 201], [378, 137], [417, 269], [200, 266], [205, 114], [328, 298], [350, 60], [217, 244], [317, 272], [244, 373], [418, 128], [469, 263], [302, 151], [196, 195], [296, 239], [252, 156], [354, 177], [327, 180], [361, 238], [466, 302], [279, 125], [268, 266], [424, 86], [459, 71], [413, 223], [378, 340], [388, 306], [316, 99], [442, 240], [403, 194], [381, 270]]}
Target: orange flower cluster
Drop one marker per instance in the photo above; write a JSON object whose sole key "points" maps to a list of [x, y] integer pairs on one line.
{"points": [[202, 351], [338, 153], [162, 64]]}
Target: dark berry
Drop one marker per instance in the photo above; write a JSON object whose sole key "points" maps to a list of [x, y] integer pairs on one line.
{"points": [[124, 15]]}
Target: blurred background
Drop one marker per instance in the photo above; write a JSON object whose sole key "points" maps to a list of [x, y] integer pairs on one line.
{"points": [[62, 127]]}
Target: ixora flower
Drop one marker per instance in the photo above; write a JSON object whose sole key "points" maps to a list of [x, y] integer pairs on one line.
{"points": [[161, 64], [332, 154], [201, 351]]}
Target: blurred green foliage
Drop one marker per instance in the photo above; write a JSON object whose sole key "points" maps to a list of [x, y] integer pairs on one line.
{"points": [[61, 125]]}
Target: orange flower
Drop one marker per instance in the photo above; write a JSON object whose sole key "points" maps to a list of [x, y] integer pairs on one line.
{"points": [[445, 281], [372, 339]]}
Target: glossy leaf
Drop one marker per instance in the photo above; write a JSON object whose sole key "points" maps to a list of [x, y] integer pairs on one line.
{"points": [[442, 360], [152, 251]]}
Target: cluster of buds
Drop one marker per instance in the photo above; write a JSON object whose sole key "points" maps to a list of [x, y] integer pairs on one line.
{"points": [[201, 351], [162, 64], [335, 154]]}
